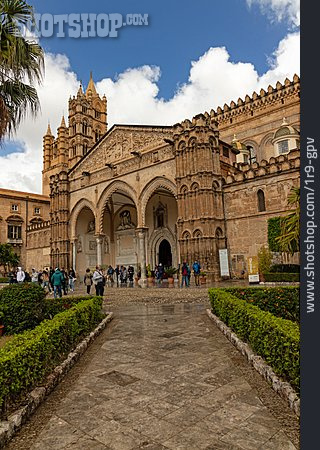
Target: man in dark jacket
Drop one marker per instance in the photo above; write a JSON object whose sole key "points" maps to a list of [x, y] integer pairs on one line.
{"points": [[57, 280]]}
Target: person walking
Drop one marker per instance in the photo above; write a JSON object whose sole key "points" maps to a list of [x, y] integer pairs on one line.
{"points": [[117, 271], [72, 279], [65, 281], [130, 275], [196, 270], [88, 280], [20, 275], [45, 282], [34, 276], [110, 273], [98, 280], [185, 274], [57, 280]]}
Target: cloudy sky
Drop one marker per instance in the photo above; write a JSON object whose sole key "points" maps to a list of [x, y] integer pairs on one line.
{"points": [[184, 62]]}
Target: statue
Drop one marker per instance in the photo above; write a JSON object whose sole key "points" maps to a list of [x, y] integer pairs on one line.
{"points": [[125, 220], [91, 226], [106, 245], [79, 244]]}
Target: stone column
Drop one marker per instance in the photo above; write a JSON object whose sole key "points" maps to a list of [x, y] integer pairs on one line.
{"points": [[74, 253], [142, 256], [99, 240]]}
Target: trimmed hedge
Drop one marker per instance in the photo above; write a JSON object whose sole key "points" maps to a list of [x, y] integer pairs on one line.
{"points": [[53, 306], [27, 358], [285, 268], [276, 277], [4, 280], [21, 307], [274, 339], [282, 302]]}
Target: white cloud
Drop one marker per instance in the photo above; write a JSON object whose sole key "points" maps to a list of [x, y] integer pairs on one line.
{"points": [[279, 10], [132, 98]]}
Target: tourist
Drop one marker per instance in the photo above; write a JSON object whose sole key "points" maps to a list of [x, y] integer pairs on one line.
{"points": [[46, 281], [57, 281], [159, 273], [110, 273], [72, 279], [65, 281], [88, 280], [196, 270], [185, 274], [98, 280], [34, 276], [123, 276], [40, 278], [20, 275], [117, 271], [51, 272], [12, 277], [130, 275]]}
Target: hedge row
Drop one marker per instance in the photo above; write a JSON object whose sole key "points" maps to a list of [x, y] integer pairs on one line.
{"points": [[4, 280], [27, 358], [274, 339], [281, 277], [24, 306], [285, 268], [281, 301]]}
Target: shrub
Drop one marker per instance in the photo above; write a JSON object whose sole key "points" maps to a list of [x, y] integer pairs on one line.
{"points": [[264, 258], [283, 301], [22, 307], [274, 339], [53, 306], [4, 280], [285, 268], [27, 358], [274, 230], [282, 277]]}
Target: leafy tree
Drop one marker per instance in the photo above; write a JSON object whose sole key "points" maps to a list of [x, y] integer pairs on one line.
{"points": [[289, 238], [21, 65], [8, 258], [264, 259]]}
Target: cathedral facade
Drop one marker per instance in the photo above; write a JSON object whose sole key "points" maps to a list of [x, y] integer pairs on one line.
{"points": [[142, 194]]}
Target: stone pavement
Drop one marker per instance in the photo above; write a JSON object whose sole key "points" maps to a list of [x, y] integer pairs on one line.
{"points": [[161, 377]]}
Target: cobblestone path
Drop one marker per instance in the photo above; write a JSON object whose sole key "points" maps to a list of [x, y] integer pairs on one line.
{"points": [[161, 376]]}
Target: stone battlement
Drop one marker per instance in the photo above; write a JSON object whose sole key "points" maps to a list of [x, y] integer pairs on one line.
{"points": [[257, 101], [275, 165]]}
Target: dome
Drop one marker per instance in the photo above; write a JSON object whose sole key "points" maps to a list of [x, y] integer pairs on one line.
{"points": [[286, 130], [237, 144]]}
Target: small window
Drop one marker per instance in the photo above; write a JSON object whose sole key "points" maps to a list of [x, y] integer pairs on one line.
{"points": [[245, 159], [97, 114], [84, 109], [14, 207], [283, 147], [225, 152], [14, 232], [261, 201], [37, 210]]}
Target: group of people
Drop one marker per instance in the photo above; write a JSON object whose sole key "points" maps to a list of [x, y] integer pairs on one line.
{"points": [[120, 275], [186, 273], [56, 281]]}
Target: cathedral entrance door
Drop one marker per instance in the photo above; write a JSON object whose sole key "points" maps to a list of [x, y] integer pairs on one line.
{"points": [[165, 253]]}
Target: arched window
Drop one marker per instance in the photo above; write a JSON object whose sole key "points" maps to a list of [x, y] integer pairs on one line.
{"points": [[85, 128], [197, 234], [261, 201], [252, 154]]}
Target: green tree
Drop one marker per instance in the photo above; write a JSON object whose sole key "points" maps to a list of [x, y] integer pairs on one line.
{"points": [[21, 65], [8, 258], [264, 259], [289, 238]]}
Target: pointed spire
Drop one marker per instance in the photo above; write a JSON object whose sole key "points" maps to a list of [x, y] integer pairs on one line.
{"points": [[63, 123], [48, 133], [91, 87], [80, 91]]}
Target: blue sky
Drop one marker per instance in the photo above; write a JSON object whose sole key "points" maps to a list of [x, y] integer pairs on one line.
{"points": [[178, 32], [192, 57]]}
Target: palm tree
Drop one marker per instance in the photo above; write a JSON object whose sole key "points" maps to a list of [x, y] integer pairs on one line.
{"points": [[289, 239], [21, 65]]}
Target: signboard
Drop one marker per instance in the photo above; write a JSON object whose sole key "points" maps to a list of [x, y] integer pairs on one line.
{"points": [[253, 269], [224, 263]]}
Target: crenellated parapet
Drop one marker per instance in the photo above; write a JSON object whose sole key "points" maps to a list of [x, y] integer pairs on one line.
{"points": [[272, 95], [39, 226], [275, 165]]}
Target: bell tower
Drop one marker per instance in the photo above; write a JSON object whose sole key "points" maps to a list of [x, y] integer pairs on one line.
{"points": [[87, 121]]}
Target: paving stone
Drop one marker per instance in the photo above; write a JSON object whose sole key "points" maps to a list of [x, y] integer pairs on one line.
{"points": [[164, 377]]}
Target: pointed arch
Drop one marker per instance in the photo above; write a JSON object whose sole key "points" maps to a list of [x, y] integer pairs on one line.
{"points": [[83, 203], [115, 186], [150, 188]]}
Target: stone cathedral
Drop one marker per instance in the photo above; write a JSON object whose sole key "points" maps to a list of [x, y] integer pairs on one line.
{"points": [[145, 194]]}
